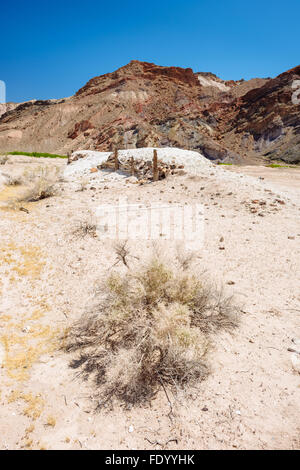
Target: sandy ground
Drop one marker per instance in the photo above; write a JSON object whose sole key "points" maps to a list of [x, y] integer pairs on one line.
{"points": [[284, 178], [47, 277]]}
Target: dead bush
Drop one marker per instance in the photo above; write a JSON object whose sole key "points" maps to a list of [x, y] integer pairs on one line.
{"points": [[14, 181], [150, 328], [85, 228], [40, 184], [3, 159], [123, 254]]}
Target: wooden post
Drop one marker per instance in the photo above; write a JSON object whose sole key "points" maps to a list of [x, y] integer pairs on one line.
{"points": [[132, 169], [116, 160], [155, 169]]}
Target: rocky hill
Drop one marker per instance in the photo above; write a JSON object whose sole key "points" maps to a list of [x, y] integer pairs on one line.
{"points": [[4, 107], [145, 105]]}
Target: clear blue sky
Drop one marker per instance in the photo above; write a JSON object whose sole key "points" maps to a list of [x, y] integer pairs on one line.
{"points": [[51, 48]]}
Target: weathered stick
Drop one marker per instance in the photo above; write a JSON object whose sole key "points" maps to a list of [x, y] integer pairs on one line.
{"points": [[132, 168], [116, 161], [155, 168]]}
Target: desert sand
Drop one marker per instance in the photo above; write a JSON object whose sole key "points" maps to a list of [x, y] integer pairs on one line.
{"points": [[47, 280]]}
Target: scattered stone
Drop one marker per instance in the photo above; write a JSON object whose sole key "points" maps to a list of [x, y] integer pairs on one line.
{"points": [[280, 201], [25, 210], [141, 169]]}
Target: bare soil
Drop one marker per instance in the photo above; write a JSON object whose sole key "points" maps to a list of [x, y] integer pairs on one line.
{"points": [[47, 281]]}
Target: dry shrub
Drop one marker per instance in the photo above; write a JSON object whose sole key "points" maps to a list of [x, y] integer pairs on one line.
{"points": [[40, 184], [85, 228], [14, 180], [3, 159], [150, 328]]}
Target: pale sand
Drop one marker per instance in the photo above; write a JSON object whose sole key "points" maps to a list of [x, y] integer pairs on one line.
{"points": [[251, 398]]}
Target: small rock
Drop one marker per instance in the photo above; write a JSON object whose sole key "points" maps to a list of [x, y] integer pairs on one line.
{"points": [[24, 210], [295, 359]]}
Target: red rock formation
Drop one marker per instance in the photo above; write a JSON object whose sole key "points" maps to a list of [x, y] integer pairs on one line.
{"points": [[142, 104], [79, 128]]}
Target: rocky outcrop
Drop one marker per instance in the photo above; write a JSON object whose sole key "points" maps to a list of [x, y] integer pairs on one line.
{"points": [[80, 127], [266, 120], [5, 107], [143, 170], [145, 105]]}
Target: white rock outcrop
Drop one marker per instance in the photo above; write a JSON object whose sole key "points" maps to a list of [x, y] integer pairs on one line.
{"points": [[83, 160]]}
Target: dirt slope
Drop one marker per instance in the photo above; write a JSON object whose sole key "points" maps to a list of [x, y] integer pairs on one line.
{"points": [[145, 105]]}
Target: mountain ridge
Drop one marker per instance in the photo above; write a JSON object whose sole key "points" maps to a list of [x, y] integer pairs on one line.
{"points": [[144, 105]]}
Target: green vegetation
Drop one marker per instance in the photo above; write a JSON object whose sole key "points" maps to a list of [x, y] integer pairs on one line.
{"points": [[276, 165], [222, 163], [37, 154]]}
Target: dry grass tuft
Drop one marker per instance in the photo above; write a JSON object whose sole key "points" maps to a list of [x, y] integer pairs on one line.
{"points": [[51, 421], [85, 228], [151, 328], [12, 180], [3, 159], [40, 184], [123, 254]]}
